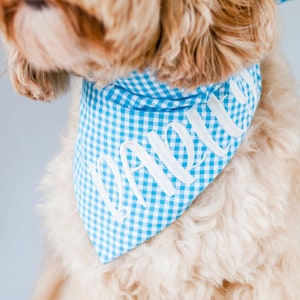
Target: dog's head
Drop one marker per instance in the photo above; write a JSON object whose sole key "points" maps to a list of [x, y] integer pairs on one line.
{"points": [[185, 42]]}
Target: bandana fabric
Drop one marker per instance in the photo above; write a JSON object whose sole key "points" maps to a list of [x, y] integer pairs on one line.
{"points": [[145, 151]]}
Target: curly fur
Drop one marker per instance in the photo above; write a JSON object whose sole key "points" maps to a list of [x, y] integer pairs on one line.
{"points": [[33, 83], [241, 238], [187, 42]]}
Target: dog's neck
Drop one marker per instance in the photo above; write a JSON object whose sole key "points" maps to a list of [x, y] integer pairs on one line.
{"points": [[146, 150]]}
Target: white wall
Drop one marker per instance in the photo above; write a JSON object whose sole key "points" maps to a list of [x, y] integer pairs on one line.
{"points": [[29, 138]]}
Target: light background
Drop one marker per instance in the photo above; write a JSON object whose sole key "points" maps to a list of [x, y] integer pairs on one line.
{"points": [[29, 139]]}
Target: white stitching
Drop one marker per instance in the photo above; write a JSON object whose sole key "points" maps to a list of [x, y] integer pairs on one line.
{"points": [[239, 95], [121, 212], [203, 133], [186, 139], [165, 155], [157, 173], [224, 119]]}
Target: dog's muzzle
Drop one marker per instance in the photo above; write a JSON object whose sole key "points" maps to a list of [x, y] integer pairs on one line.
{"points": [[37, 4]]}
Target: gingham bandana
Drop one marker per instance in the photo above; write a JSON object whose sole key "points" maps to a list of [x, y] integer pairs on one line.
{"points": [[145, 151]]}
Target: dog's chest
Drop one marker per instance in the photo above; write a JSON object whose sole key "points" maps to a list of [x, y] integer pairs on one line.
{"points": [[145, 151]]}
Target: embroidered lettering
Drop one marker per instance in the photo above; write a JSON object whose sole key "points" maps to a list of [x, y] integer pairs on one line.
{"points": [[224, 119], [121, 212], [162, 148], [166, 156], [239, 95], [249, 80], [203, 133], [148, 162], [186, 139]]}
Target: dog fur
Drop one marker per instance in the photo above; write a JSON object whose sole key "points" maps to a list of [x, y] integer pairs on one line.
{"points": [[240, 239], [187, 42]]}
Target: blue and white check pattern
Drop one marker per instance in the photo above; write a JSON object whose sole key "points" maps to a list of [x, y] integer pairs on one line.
{"points": [[125, 113]]}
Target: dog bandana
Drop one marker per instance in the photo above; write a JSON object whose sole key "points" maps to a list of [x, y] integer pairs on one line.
{"points": [[145, 151]]}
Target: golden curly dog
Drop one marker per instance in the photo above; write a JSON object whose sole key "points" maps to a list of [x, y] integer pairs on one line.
{"points": [[240, 239]]}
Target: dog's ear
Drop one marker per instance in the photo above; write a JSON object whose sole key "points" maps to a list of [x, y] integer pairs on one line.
{"points": [[27, 80], [207, 41], [30, 82], [2, 27]]}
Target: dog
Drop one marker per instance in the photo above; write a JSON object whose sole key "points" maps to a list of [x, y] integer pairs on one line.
{"points": [[239, 238]]}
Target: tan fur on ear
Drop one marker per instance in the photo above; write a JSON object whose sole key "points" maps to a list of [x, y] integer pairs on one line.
{"points": [[187, 43], [2, 25], [97, 41], [32, 83], [205, 41]]}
